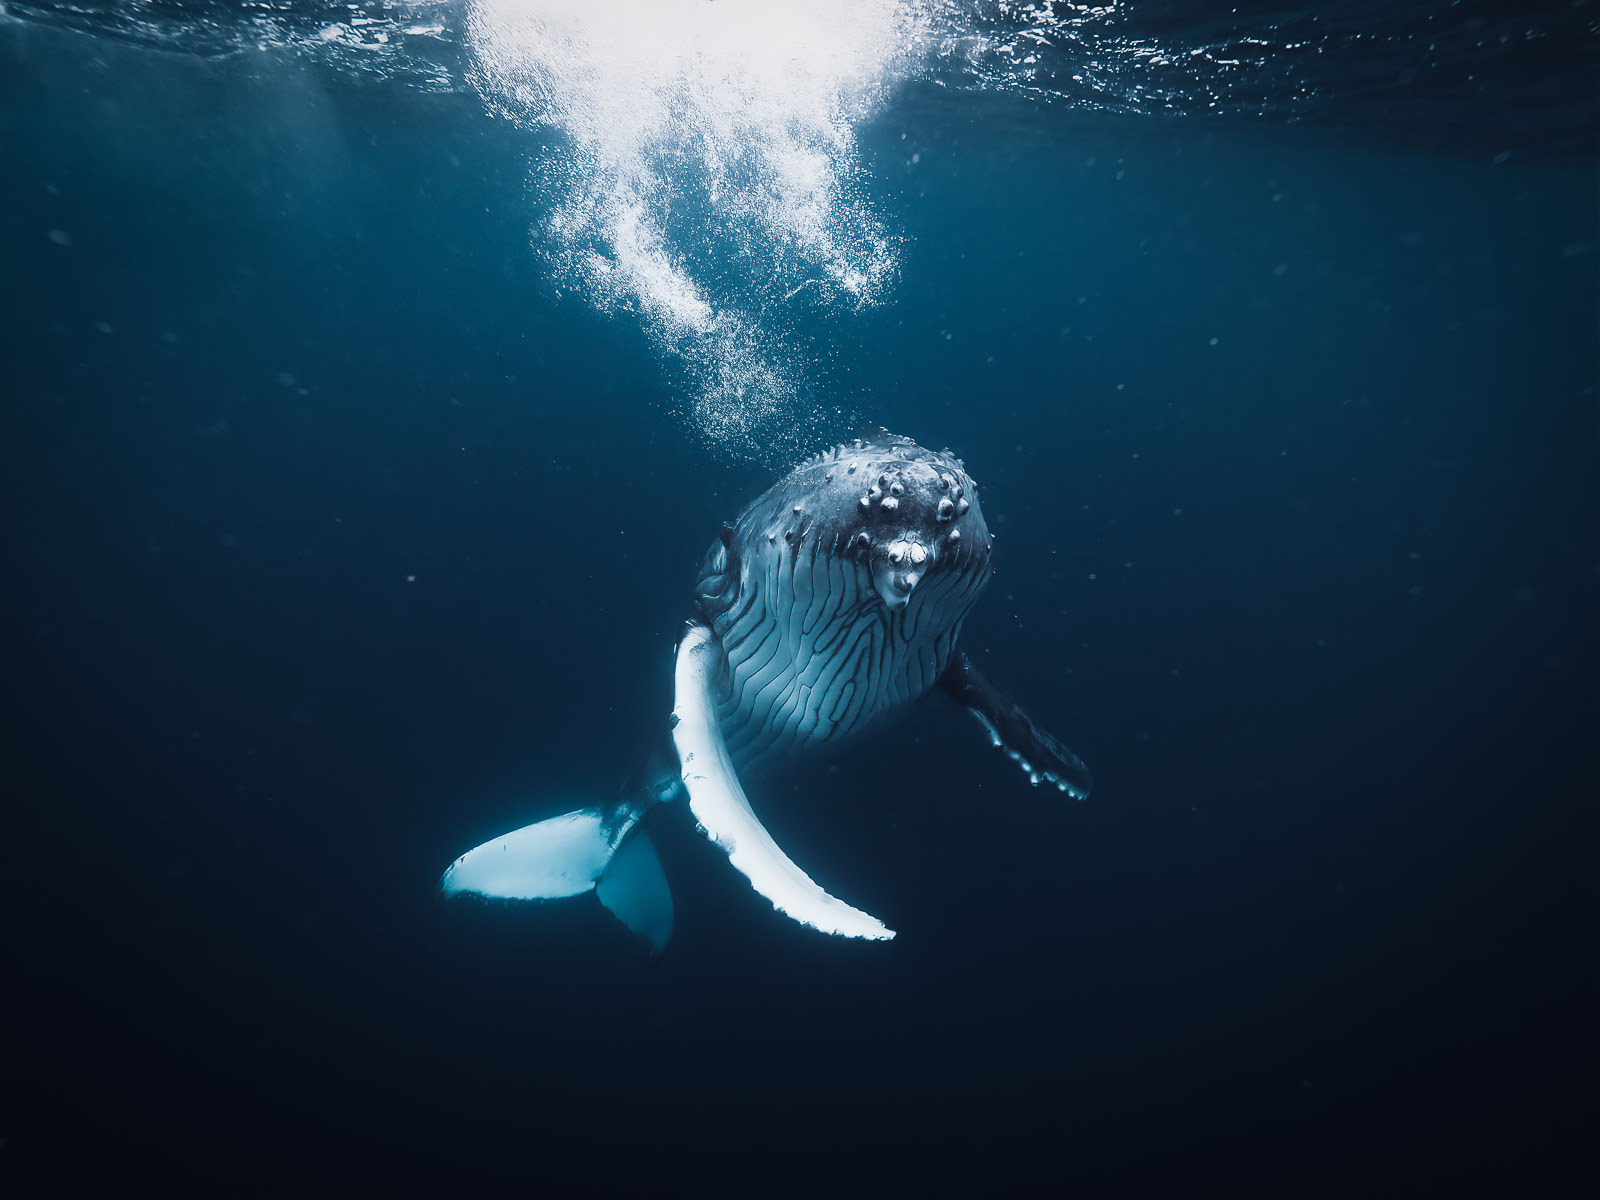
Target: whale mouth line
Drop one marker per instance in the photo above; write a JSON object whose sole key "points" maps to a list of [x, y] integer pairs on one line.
{"points": [[895, 588]]}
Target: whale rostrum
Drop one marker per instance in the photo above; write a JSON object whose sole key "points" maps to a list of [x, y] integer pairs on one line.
{"points": [[834, 597]]}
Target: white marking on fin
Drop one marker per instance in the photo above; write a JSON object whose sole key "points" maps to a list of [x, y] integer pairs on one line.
{"points": [[723, 811]]}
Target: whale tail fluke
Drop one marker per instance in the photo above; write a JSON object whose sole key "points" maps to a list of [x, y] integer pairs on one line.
{"points": [[600, 849], [634, 890]]}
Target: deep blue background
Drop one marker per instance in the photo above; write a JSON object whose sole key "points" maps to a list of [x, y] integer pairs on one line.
{"points": [[1290, 444]]}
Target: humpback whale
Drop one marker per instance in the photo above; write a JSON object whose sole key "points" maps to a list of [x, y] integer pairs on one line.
{"points": [[834, 597]]}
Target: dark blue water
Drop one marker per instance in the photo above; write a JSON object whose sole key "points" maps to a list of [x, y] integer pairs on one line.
{"points": [[342, 537]]}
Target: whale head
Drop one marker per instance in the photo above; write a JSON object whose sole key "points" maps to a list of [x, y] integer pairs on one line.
{"points": [[841, 591], [907, 515], [918, 517]]}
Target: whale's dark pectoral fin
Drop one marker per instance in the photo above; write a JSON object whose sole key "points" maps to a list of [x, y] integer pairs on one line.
{"points": [[1036, 751]]}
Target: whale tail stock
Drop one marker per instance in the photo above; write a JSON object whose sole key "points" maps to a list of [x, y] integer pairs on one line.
{"points": [[602, 848]]}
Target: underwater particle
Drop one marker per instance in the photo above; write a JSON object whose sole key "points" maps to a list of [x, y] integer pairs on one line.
{"points": [[60, 237]]}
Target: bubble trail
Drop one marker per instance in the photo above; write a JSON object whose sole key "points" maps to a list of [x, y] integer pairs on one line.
{"points": [[705, 177]]}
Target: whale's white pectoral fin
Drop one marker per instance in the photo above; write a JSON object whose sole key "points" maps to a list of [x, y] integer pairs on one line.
{"points": [[722, 810]]}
